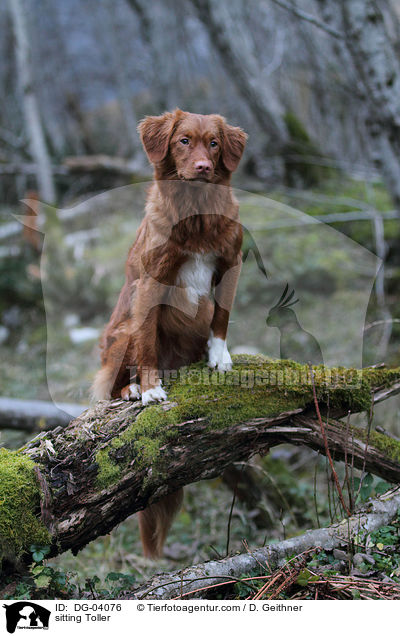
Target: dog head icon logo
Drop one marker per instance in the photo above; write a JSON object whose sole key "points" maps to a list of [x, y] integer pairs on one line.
{"points": [[26, 615]]}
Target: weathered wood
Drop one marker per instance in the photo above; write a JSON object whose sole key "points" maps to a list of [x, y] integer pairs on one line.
{"points": [[118, 457]]}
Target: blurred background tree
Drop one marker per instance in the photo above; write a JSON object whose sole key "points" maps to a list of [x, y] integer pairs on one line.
{"points": [[93, 69]]}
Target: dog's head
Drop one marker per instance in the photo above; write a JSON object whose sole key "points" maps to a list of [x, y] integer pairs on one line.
{"points": [[192, 147]]}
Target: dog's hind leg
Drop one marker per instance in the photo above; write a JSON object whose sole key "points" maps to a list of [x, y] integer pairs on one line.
{"points": [[103, 383], [155, 521], [118, 360]]}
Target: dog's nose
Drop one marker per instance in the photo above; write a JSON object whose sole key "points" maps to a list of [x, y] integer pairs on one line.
{"points": [[203, 167]]}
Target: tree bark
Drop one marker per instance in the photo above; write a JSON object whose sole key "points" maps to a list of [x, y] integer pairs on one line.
{"points": [[377, 67], [33, 123], [223, 21], [156, 25], [118, 457], [120, 74]]}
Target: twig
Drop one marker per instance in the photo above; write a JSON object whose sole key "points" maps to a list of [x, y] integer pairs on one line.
{"points": [[228, 582], [381, 322], [347, 478], [327, 451], [370, 418], [228, 533], [299, 13], [315, 495]]}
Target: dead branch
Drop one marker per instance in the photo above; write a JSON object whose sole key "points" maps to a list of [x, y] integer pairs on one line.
{"points": [[186, 583]]}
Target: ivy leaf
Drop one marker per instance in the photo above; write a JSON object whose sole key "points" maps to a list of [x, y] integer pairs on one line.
{"points": [[368, 480], [305, 577], [42, 581], [113, 576], [381, 487]]}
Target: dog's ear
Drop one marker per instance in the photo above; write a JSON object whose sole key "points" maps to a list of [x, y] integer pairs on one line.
{"points": [[155, 133], [233, 143]]}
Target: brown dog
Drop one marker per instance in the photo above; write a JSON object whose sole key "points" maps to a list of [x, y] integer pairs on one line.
{"points": [[188, 244]]}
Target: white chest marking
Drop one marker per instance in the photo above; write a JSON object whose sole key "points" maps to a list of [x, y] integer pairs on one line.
{"points": [[196, 275]]}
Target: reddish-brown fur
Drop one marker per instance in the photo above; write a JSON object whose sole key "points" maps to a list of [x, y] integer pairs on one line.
{"points": [[190, 210]]}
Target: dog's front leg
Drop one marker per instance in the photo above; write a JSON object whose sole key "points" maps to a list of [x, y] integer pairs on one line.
{"points": [[225, 290], [149, 297]]}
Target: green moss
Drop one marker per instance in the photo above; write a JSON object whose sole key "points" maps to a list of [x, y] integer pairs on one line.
{"points": [[256, 387], [387, 445], [19, 499], [143, 436], [109, 471], [380, 377]]}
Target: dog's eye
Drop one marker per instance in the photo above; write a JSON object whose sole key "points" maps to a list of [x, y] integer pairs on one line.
{"points": [[213, 144], [185, 141]]}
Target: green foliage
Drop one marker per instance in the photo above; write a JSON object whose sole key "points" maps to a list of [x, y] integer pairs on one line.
{"points": [[45, 581], [370, 486], [305, 577], [39, 552], [17, 286], [384, 545], [326, 562]]}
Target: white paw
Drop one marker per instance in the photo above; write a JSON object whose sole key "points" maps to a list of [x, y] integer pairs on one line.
{"points": [[156, 394], [131, 392], [218, 354]]}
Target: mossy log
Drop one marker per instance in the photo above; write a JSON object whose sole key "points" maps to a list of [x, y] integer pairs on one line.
{"points": [[70, 485]]}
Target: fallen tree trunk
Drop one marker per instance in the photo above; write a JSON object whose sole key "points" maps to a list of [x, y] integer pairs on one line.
{"points": [[188, 583], [118, 457], [99, 163], [26, 168], [35, 415], [80, 164]]}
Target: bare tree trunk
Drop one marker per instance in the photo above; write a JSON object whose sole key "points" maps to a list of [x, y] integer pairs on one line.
{"points": [[377, 66], [34, 127], [125, 97], [224, 23], [156, 25]]}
